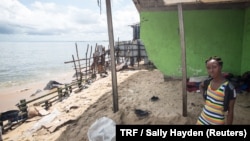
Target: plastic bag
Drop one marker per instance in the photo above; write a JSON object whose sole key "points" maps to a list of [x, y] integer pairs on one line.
{"points": [[102, 130], [1, 139]]}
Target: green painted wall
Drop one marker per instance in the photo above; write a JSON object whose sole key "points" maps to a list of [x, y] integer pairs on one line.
{"points": [[207, 33], [245, 66]]}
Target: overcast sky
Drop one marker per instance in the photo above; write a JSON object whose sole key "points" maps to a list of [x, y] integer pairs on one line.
{"points": [[65, 20]]}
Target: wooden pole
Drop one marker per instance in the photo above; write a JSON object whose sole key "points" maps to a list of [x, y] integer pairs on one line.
{"points": [[113, 66], [117, 52], [139, 53], [183, 55], [89, 61], [86, 62], [94, 58], [75, 66], [79, 63], [109, 60], [80, 71]]}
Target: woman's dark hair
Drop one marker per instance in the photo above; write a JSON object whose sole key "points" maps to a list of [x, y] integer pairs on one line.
{"points": [[218, 59]]}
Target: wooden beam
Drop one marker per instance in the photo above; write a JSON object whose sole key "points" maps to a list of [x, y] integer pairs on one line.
{"points": [[183, 58], [137, 5]]}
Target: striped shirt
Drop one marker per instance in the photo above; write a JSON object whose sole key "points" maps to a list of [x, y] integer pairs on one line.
{"points": [[212, 113]]}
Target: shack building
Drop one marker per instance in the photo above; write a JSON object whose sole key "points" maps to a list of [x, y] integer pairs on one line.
{"points": [[131, 51], [212, 28]]}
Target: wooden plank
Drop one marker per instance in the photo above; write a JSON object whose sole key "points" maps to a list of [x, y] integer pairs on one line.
{"points": [[41, 111], [78, 90], [75, 60], [53, 126]]}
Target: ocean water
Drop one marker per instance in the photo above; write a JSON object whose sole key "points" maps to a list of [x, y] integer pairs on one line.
{"points": [[27, 62]]}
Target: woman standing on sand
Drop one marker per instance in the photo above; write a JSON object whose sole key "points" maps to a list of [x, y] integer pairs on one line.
{"points": [[219, 95]]}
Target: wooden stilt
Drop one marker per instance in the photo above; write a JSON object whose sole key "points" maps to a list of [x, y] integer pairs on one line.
{"points": [[80, 80], [86, 69], [60, 95], [75, 66], [89, 62]]}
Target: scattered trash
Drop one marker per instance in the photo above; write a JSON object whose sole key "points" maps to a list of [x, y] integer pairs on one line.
{"points": [[22, 90], [13, 117], [45, 120], [141, 114], [154, 98], [37, 91], [69, 107], [193, 104], [52, 84], [32, 112]]}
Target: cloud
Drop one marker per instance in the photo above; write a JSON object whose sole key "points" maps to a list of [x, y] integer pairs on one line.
{"points": [[5, 28], [55, 20]]}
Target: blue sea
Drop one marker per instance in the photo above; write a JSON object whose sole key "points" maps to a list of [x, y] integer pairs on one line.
{"points": [[27, 62]]}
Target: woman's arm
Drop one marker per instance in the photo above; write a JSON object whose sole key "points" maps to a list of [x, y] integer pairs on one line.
{"points": [[201, 87], [230, 115]]}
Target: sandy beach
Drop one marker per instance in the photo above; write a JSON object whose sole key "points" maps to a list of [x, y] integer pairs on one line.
{"points": [[72, 118], [10, 96]]}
